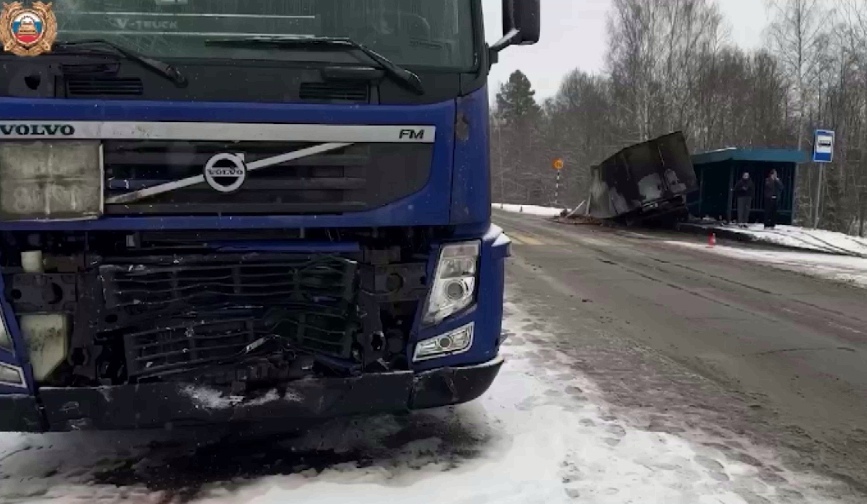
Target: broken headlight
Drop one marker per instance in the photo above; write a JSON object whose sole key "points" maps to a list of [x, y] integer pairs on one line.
{"points": [[5, 339], [11, 376], [47, 339], [50, 180], [454, 285]]}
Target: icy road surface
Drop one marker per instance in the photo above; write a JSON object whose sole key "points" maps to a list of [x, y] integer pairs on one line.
{"points": [[543, 434]]}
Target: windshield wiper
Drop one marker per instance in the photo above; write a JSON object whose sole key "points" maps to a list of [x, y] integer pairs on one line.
{"points": [[398, 73], [98, 45]]}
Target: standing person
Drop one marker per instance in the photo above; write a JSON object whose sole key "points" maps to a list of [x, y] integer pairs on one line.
{"points": [[773, 193], [744, 191]]}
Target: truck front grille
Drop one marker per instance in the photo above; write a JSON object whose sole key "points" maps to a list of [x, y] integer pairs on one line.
{"points": [[180, 312], [83, 86], [335, 92], [355, 178]]}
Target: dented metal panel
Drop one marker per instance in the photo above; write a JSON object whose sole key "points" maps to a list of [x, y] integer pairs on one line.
{"points": [[300, 401], [51, 179]]}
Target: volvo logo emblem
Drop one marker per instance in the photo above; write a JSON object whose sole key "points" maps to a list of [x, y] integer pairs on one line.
{"points": [[226, 172]]}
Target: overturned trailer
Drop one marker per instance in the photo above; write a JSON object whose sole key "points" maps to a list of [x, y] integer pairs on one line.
{"points": [[644, 181]]}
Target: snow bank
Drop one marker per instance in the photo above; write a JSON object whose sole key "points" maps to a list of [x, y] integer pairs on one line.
{"points": [[58, 468], [798, 237], [845, 269], [528, 209]]}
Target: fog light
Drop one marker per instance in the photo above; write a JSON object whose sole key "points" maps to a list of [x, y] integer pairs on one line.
{"points": [[11, 376], [453, 342]]}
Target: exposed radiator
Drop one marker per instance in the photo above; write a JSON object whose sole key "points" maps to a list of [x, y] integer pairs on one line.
{"points": [[178, 312]]}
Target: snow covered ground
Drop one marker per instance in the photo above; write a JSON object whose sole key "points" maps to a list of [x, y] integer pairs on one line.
{"points": [[847, 269], [809, 239], [542, 211], [540, 435]]}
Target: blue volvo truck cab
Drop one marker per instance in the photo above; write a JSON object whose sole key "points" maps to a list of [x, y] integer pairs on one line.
{"points": [[217, 211]]}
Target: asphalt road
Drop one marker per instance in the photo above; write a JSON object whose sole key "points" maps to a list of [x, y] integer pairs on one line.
{"points": [[708, 346]]}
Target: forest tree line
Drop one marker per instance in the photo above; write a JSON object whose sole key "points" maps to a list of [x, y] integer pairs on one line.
{"points": [[670, 67]]}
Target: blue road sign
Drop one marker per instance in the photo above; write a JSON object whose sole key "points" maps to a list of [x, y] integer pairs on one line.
{"points": [[823, 146]]}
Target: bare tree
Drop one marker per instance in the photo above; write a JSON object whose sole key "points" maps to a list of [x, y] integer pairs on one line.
{"points": [[796, 36], [668, 67]]}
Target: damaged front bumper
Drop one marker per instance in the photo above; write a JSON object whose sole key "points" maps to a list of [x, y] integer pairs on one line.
{"points": [[165, 405]]}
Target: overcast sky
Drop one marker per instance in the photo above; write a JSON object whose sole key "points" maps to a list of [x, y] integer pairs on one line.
{"points": [[573, 36]]}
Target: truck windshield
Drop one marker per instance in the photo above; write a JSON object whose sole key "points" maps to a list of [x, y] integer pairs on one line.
{"points": [[421, 33]]}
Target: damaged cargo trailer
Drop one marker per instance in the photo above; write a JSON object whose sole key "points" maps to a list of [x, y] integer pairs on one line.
{"points": [[643, 181]]}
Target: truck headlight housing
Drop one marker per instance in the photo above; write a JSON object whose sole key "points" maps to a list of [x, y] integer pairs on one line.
{"points": [[453, 342], [5, 338], [454, 285], [51, 180], [47, 338]]}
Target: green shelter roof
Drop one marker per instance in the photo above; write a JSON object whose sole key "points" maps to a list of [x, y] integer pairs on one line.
{"points": [[755, 155]]}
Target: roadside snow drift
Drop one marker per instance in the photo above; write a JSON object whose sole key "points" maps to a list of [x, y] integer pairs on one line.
{"points": [[803, 238], [529, 209], [851, 270], [541, 435]]}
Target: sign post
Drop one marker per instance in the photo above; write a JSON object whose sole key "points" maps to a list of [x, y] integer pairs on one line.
{"points": [[823, 153], [558, 166]]}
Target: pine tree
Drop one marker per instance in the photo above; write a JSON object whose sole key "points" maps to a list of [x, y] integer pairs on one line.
{"points": [[516, 102], [519, 120]]}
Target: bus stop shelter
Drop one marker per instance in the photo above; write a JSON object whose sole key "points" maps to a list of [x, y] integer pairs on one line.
{"points": [[718, 172]]}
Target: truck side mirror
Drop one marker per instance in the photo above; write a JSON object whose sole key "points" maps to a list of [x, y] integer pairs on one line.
{"points": [[521, 24]]}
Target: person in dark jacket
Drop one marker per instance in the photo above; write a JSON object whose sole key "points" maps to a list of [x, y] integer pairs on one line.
{"points": [[744, 191], [773, 193]]}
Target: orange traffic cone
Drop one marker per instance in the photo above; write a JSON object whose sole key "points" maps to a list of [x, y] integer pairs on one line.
{"points": [[711, 240]]}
